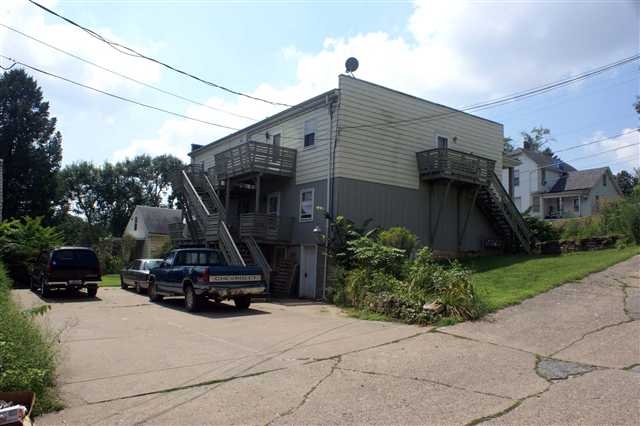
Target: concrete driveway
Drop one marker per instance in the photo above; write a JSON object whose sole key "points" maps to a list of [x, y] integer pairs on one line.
{"points": [[569, 356]]}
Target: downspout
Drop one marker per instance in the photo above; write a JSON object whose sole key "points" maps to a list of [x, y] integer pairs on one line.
{"points": [[332, 103]]}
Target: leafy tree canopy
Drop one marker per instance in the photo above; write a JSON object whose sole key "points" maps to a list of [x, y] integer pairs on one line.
{"points": [[29, 145]]}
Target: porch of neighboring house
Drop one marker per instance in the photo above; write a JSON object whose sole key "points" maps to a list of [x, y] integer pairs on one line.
{"points": [[561, 205]]}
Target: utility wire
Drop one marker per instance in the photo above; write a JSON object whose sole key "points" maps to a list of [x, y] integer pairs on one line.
{"points": [[598, 140], [175, 95], [132, 52], [122, 98], [506, 99]]}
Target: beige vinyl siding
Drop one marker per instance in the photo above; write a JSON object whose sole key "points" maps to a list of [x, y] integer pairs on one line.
{"points": [[312, 162], [387, 154]]}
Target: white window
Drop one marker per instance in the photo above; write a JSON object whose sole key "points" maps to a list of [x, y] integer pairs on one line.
{"points": [[516, 177], [273, 204], [135, 223], [306, 205], [442, 142], [309, 133]]}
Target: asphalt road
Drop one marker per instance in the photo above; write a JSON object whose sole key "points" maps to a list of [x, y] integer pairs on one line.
{"points": [[569, 356]]}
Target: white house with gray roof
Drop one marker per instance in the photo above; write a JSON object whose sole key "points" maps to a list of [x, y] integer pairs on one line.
{"points": [[547, 187], [149, 226]]}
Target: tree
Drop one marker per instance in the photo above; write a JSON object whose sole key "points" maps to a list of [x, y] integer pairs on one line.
{"points": [[507, 145], [626, 181], [107, 195], [535, 139], [637, 104], [29, 145]]}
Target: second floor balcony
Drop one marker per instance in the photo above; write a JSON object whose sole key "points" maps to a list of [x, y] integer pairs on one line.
{"points": [[456, 165], [255, 158]]}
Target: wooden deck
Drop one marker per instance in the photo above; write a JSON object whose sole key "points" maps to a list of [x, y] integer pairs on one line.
{"points": [[266, 227], [255, 157], [456, 165]]}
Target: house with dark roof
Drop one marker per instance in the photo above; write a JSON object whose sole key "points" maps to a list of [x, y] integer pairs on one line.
{"points": [[149, 226], [580, 193], [548, 187]]}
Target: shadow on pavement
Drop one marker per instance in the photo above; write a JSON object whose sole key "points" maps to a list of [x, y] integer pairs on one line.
{"points": [[67, 296], [211, 309]]}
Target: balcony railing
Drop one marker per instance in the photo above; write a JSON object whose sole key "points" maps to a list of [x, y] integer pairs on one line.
{"points": [[456, 165], [255, 157], [263, 226]]}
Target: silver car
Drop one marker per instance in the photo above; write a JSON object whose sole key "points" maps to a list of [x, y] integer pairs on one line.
{"points": [[136, 274]]}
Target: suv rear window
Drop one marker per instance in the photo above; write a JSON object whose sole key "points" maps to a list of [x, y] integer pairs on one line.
{"points": [[150, 264], [74, 258]]}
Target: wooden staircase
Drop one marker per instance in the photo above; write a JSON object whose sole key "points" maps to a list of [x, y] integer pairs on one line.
{"points": [[206, 221], [283, 278], [494, 201]]}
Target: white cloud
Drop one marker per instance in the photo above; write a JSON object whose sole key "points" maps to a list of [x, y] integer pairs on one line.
{"points": [[454, 52], [29, 19], [621, 153]]}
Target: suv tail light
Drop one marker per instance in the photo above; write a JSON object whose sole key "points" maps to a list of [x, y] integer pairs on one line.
{"points": [[204, 277]]}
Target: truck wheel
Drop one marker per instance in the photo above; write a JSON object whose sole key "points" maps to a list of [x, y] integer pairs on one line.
{"points": [[138, 289], [44, 288], [153, 295], [192, 302], [92, 292], [122, 284], [242, 302]]}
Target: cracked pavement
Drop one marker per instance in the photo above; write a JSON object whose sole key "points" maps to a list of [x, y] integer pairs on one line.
{"points": [[568, 356]]}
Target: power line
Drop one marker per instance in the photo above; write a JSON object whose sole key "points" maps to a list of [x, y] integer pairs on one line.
{"points": [[506, 99], [597, 141], [122, 98], [175, 95], [132, 52], [584, 157]]}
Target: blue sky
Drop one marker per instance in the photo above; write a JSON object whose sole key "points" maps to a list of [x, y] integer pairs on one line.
{"points": [[456, 53]]}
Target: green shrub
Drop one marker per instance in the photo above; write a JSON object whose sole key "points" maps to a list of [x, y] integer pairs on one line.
{"points": [[21, 241], [361, 281], [541, 230], [27, 356], [400, 238], [370, 254], [623, 217]]}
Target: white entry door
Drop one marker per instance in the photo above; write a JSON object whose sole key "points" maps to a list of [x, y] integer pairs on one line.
{"points": [[308, 272]]}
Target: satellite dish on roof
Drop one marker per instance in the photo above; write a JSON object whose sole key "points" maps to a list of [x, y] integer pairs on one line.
{"points": [[351, 65]]}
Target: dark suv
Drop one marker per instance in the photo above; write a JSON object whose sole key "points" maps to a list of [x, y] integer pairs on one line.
{"points": [[66, 268]]}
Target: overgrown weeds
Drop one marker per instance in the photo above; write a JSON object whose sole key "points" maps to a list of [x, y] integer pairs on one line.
{"points": [[27, 354]]}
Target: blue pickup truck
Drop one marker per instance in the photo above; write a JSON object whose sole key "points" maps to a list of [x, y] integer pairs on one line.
{"points": [[199, 274]]}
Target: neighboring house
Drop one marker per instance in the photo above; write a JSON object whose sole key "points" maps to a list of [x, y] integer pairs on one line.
{"points": [[149, 226], [362, 151], [535, 175], [550, 188], [580, 193]]}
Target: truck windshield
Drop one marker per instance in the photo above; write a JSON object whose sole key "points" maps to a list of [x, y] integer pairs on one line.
{"points": [[200, 258]]}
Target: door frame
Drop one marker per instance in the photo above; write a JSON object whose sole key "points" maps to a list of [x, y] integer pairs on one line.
{"points": [[303, 267]]}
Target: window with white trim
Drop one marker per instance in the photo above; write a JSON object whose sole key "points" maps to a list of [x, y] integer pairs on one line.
{"points": [[309, 133], [306, 205], [535, 203], [516, 177]]}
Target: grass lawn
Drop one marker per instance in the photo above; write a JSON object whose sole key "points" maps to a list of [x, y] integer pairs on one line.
{"points": [[506, 280], [110, 280]]}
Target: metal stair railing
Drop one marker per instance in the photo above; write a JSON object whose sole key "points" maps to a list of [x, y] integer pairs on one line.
{"points": [[511, 213], [209, 188], [226, 243], [260, 259]]}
